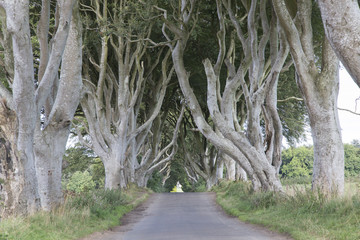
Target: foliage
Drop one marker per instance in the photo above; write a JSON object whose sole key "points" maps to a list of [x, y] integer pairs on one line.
{"points": [[80, 216], [80, 182], [303, 215], [83, 159], [297, 162], [352, 160], [77, 158], [155, 182], [292, 112]]}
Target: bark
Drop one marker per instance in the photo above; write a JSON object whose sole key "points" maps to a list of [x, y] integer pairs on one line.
{"points": [[320, 90], [22, 176], [50, 139], [13, 185], [230, 165], [240, 173], [341, 21]]}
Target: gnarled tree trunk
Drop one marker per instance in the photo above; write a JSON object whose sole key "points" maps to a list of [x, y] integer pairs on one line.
{"points": [[320, 90], [51, 138]]}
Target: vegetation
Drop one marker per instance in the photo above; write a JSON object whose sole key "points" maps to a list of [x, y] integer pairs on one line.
{"points": [[81, 215], [230, 66], [298, 162], [303, 214]]}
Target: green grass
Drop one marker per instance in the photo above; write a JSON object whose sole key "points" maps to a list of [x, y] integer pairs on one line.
{"points": [[80, 215], [302, 214]]}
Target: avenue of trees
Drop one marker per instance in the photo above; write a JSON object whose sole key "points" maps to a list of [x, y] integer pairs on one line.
{"points": [[151, 89]]}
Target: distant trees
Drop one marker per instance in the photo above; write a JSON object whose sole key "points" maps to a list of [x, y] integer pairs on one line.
{"points": [[298, 161], [352, 159]]}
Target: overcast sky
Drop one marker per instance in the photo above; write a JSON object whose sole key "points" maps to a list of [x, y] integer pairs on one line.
{"points": [[349, 92]]}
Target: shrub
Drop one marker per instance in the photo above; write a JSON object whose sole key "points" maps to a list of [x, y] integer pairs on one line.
{"points": [[80, 182]]}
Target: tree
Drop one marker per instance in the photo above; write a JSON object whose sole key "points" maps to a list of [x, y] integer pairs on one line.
{"points": [[245, 148], [352, 160], [341, 21], [159, 147], [297, 162], [23, 99], [319, 85], [123, 65], [59, 105], [201, 158]]}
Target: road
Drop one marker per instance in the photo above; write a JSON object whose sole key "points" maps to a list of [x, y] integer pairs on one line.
{"points": [[184, 216]]}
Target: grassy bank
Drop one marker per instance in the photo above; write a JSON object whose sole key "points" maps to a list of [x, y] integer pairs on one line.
{"points": [[301, 214], [80, 216]]}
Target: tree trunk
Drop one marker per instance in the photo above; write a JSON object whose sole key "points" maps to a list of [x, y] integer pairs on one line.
{"points": [[220, 170], [328, 172], [320, 91], [49, 150], [50, 142], [212, 180], [230, 168], [23, 179], [240, 173], [13, 196], [113, 178], [341, 21]]}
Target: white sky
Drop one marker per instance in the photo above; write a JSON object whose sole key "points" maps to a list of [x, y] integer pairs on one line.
{"points": [[349, 92]]}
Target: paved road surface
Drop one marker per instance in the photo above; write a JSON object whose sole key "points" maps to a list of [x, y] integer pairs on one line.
{"points": [[184, 216]]}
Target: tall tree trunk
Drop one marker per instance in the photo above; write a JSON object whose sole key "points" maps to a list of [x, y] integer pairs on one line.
{"points": [[240, 173], [50, 140], [328, 172], [23, 180], [320, 91]]}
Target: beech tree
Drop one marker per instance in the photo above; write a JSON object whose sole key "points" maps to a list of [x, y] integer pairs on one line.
{"points": [[157, 149], [118, 72], [33, 176], [59, 107], [245, 148], [319, 86], [201, 158]]}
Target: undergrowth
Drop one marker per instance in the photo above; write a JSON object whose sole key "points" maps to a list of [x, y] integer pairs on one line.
{"points": [[303, 214], [80, 215]]}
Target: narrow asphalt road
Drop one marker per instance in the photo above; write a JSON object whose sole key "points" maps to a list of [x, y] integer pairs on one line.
{"points": [[184, 216]]}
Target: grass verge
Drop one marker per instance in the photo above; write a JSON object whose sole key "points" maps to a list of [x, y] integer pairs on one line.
{"points": [[302, 215], [79, 216]]}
